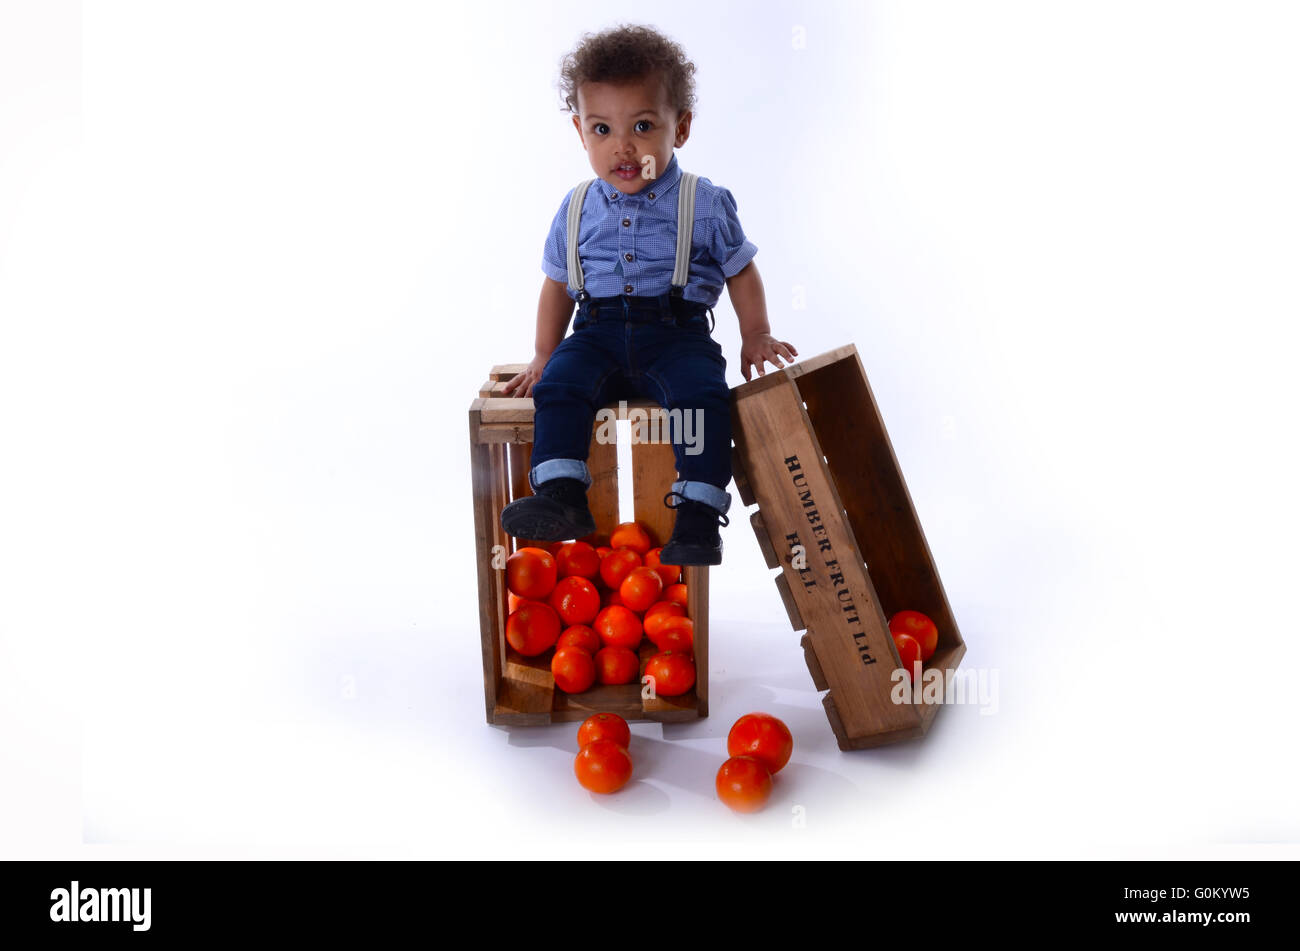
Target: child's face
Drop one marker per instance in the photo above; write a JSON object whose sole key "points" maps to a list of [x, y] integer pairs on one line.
{"points": [[629, 131]]}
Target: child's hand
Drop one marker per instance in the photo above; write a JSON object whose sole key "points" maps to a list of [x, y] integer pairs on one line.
{"points": [[522, 385], [756, 349]]}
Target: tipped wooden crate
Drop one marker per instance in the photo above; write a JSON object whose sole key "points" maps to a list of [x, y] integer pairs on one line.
{"points": [[520, 690], [812, 451]]}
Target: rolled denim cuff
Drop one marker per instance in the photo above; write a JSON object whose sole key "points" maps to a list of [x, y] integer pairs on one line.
{"points": [[710, 495], [559, 469]]}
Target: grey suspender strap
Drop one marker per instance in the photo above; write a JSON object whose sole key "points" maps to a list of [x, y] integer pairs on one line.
{"points": [[685, 229], [575, 216]]}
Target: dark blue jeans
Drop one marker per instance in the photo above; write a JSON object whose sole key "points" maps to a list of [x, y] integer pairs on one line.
{"points": [[630, 347]]}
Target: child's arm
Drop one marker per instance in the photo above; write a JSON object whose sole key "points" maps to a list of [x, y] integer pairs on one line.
{"points": [[554, 308], [756, 341]]}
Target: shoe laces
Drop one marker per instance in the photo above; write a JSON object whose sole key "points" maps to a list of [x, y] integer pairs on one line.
{"points": [[682, 500]]}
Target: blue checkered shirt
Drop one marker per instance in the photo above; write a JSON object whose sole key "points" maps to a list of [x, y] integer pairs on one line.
{"points": [[644, 225]]}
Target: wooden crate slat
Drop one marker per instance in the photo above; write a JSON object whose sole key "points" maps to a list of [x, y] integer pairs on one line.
{"points": [[484, 539], [527, 687], [520, 458], [764, 542], [501, 541], [738, 476], [602, 497], [672, 709], [654, 469], [789, 473], [504, 371], [873, 740], [531, 671], [518, 433], [496, 389], [868, 741], [814, 665], [623, 699], [509, 410], [837, 725], [787, 599], [696, 578], [803, 367]]}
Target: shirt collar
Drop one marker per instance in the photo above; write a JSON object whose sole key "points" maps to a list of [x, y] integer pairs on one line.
{"points": [[656, 190]]}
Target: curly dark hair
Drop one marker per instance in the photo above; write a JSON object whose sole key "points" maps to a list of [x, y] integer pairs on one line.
{"points": [[625, 54]]}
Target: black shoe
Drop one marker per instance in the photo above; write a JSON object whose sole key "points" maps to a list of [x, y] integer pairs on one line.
{"points": [[557, 512], [695, 538]]}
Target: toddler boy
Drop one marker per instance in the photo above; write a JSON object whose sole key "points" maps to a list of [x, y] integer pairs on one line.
{"points": [[643, 286]]}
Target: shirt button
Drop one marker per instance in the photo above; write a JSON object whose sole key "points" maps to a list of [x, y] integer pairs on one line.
{"points": [[627, 222], [627, 288], [628, 256], [652, 194]]}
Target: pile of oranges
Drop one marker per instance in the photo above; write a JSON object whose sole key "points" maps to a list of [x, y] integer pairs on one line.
{"points": [[595, 605]]}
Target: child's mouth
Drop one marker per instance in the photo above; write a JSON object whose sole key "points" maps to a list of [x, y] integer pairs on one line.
{"points": [[627, 171]]}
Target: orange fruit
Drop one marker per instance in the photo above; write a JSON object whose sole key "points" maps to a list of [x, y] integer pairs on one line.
{"points": [[576, 600], [580, 636], [631, 535], [616, 565], [604, 726], [574, 669], [671, 574], [743, 784], [764, 737], [533, 628], [530, 573], [603, 766], [577, 558], [657, 614], [618, 627], [641, 588], [617, 665], [673, 673], [918, 626], [909, 652], [674, 633]]}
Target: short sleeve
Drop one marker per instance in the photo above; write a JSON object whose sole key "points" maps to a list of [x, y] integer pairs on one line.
{"points": [[555, 254], [727, 241]]}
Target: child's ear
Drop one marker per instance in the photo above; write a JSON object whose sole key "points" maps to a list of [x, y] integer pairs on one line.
{"points": [[683, 129], [577, 124]]}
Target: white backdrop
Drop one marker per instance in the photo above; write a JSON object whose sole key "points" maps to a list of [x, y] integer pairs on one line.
{"points": [[255, 259]]}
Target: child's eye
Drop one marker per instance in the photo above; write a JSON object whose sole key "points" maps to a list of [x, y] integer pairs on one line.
{"points": [[600, 128], [644, 122]]}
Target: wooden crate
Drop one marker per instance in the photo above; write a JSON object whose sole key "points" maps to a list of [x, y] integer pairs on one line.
{"points": [[811, 449], [520, 690]]}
